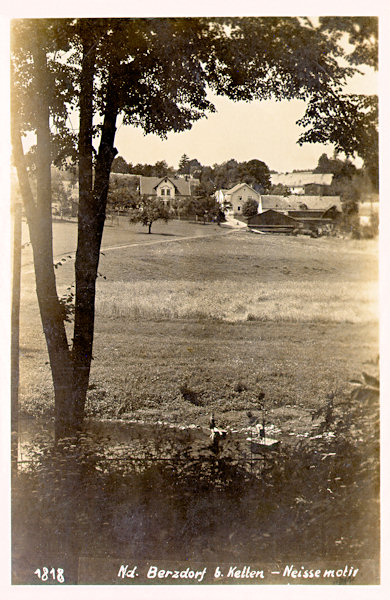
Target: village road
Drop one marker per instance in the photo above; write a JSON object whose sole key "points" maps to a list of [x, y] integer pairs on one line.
{"points": [[65, 239]]}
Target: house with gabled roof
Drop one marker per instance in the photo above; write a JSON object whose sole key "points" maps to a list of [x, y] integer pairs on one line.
{"points": [[289, 205], [165, 188], [237, 196]]}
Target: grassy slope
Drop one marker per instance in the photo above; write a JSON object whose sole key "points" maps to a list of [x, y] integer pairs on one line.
{"points": [[293, 317]]}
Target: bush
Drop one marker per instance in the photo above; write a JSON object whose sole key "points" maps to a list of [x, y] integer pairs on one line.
{"points": [[250, 208]]}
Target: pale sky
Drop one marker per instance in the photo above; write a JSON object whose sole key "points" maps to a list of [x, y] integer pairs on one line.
{"points": [[264, 130]]}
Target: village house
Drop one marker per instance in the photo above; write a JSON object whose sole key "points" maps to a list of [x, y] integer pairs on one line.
{"points": [[236, 197], [294, 205], [165, 188]]}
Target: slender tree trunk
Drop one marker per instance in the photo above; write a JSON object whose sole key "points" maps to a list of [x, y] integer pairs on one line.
{"points": [[40, 227], [92, 213], [70, 371], [85, 266], [52, 313]]}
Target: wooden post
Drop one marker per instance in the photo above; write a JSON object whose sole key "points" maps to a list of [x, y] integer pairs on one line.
{"points": [[15, 311]]}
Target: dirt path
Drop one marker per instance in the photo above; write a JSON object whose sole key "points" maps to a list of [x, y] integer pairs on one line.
{"points": [[71, 254], [181, 239]]}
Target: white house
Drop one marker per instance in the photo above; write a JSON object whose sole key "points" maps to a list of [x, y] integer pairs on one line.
{"points": [[242, 192], [165, 188], [237, 196]]}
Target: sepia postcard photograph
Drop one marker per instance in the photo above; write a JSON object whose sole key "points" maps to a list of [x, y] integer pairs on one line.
{"points": [[195, 300]]}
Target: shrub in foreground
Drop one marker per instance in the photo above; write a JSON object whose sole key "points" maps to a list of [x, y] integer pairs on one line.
{"points": [[317, 499]]}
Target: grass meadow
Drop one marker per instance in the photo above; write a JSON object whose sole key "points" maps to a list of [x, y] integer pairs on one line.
{"points": [[320, 302], [227, 315]]}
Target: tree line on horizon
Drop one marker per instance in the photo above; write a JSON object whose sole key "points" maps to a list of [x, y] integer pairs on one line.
{"points": [[223, 175], [349, 182]]}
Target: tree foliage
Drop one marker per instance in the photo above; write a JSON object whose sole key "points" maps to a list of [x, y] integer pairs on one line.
{"points": [[350, 123], [362, 35], [60, 195], [156, 73], [148, 210], [250, 208], [227, 174], [184, 165], [348, 182], [119, 165], [159, 169], [256, 173], [123, 193], [337, 167], [205, 206], [279, 190]]}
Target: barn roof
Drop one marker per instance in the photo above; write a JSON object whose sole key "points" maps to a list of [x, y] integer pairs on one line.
{"points": [[301, 179], [295, 202], [272, 217]]}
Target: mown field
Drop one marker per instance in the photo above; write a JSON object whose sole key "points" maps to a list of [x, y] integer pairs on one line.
{"points": [[225, 316]]}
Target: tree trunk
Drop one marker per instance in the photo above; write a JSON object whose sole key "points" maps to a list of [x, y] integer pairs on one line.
{"points": [[40, 227], [92, 213], [52, 314], [150, 227], [85, 268], [70, 371]]}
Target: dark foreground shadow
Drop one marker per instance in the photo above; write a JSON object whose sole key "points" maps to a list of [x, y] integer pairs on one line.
{"points": [[84, 498]]}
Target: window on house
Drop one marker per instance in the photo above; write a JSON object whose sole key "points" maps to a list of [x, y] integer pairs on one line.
{"points": [[168, 192], [162, 191], [238, 208]]}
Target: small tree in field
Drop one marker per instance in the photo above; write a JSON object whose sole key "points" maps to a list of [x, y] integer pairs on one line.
{"points": [[148, 211], [250, 208]]}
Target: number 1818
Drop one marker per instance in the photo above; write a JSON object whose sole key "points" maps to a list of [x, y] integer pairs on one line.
{"points": [[45, 574]]}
